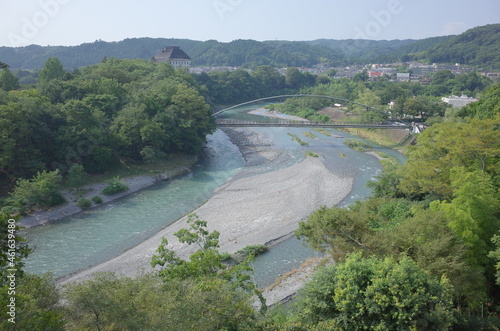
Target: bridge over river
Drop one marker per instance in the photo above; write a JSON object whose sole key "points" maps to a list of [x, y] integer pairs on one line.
{"points": [[298, 124], [394, 124]]}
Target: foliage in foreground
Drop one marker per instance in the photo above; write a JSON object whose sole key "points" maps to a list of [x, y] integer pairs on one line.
{"points": [[146, 303], [377, 294]]}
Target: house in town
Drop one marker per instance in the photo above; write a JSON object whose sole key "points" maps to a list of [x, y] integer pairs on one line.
{"points": [[173, 55], [403, 76]]}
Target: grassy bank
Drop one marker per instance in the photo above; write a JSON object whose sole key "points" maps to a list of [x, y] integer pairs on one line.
{"points": [[391, 138]]}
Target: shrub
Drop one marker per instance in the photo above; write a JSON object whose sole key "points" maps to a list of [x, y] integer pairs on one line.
{"points": [[84, 203], [115, 185], [252, 250], [97, 199]]}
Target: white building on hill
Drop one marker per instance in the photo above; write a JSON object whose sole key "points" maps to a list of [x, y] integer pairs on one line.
{"points": [[459, 102], [175, 56]]}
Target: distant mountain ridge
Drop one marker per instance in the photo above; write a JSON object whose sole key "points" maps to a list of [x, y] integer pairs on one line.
{"points": [[478, 46]]}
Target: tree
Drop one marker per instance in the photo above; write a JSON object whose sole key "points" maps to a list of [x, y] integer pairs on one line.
{"points": [[397, 227], [40, 190], [105, 301], [77, 175], [293, 78], [52, 69], [110, 302], [473, 211], [8, 81], [386, 184], [269, 81], [361, 76], [206, 263], [441, 77], [487, 107], [28, 126], [337, 231], [377, 294], [473, 145], [3, 65]]}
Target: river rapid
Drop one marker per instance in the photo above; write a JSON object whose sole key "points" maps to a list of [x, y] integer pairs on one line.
{"points": [[98, 235]]}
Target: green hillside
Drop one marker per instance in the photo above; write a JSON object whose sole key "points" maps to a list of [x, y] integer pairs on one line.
{"points": [[478, 47]]}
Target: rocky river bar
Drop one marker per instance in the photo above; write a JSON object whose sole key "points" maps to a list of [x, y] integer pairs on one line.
{"points": [[248, 209]]}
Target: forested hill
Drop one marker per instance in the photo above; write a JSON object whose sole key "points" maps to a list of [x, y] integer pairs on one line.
{"points": [[34, 57], [479, 46]]}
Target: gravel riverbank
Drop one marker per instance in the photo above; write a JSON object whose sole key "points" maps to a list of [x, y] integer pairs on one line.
{"points": [[247, 210]]}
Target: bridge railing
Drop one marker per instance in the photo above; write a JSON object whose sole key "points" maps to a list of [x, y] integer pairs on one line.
{"points": [[234, 123]]}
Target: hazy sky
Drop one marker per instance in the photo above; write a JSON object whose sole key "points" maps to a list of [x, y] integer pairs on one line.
{"points": [[72, 22]]}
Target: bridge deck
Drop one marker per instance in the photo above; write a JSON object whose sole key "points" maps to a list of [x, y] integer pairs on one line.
{"points": [[298, 124]]}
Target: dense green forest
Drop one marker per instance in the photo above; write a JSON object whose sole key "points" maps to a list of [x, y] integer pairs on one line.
{"points": [[423, 253], [102, 116], [477, 47]]}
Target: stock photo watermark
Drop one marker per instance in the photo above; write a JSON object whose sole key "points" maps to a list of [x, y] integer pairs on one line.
{"points": [[11, 270], [33, 24], [381, 19], [222, 7]]}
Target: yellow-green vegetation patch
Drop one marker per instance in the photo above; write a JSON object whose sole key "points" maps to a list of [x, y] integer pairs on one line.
{"points": [[357, 145], [311, 154], [342, 155], [323, 131], [309, 135], [297, 139]]}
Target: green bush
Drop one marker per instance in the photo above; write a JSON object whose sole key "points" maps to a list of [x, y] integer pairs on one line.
{"points": [[84, 203], [40, 190], [115, 185], [97, 199], [252, 250], [357, 145]]}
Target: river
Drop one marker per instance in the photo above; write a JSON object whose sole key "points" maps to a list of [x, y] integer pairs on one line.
{"points": [[97, 235]]}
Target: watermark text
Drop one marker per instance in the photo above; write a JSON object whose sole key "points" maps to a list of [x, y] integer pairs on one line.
{"points": [[33, 24]]}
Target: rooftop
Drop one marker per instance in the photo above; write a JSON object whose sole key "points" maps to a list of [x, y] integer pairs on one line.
{"points": [[171, 52]]}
